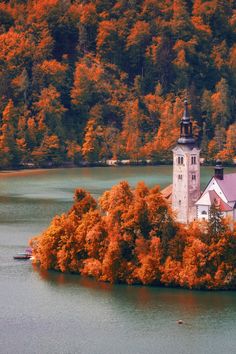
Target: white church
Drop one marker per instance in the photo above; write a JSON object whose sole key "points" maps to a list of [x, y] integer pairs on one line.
{"points": [[187, 200]]}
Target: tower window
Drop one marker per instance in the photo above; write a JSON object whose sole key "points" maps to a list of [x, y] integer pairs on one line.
{"points": [[193, 160], [179, 202], [193, 177], [180, 160], [180, 177]]}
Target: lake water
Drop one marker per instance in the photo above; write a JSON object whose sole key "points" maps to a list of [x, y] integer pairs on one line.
{"points": [[49, 312]]}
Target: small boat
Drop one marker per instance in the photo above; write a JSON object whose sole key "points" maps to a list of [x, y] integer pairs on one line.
{"points": [[24, 255]]}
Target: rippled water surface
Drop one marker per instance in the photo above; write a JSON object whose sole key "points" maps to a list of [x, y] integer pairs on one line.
{"points": [[48, 312]]}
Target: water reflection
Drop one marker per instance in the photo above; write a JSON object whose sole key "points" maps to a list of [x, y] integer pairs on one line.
{"points": [[179, 302], [58, 279]]}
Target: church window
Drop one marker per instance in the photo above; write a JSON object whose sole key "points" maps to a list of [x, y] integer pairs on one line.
{"points": [[180, 160], [180, 177], [204, 212], [193, 177], [193, 160], [179, 202]]}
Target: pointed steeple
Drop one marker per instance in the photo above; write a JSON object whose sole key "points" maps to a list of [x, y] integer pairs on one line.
{"points": [[186, 129], [186, 112]]}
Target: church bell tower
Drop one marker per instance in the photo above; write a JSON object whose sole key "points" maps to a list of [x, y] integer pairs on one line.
{"points": [[186, 171]]}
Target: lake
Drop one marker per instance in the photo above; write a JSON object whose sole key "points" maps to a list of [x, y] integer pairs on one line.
{"points": [[48, 312]]}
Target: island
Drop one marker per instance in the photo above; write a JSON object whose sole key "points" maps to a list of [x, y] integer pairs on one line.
{"points": [[131, 236]]}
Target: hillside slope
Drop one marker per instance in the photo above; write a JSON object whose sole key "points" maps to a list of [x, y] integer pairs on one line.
{"points": [[91, 80]]}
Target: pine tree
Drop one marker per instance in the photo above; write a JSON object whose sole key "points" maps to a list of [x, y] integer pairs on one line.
{"points": [[215, 224]]}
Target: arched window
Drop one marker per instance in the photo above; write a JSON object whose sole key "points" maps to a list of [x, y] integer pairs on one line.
{"points": [[204, 212], [180, 160], [193, 160]]}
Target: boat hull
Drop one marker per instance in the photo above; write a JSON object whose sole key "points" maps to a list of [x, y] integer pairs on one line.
{"points": [[22, 257]]}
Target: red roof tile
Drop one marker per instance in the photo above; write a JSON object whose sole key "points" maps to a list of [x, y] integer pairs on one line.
{"points": [[215, 199]]}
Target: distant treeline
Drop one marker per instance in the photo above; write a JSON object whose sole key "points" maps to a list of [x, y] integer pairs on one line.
{"points": [[131, 236], [90, 80]]}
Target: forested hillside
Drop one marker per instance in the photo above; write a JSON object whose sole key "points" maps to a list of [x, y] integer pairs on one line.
{"points": [[91, 80]]}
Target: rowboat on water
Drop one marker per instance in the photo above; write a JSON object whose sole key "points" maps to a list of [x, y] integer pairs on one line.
{"points": [[24, 255]]}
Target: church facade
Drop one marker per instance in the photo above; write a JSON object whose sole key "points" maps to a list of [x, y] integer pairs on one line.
{"points": [[221, 191], [188, 202]]}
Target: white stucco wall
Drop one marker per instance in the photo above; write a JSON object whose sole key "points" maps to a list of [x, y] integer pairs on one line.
{"points": [[200, 210], [213, 185]]}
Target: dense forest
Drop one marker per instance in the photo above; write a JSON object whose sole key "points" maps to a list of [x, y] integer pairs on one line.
{"points": [[131, 236], [90, 80]]}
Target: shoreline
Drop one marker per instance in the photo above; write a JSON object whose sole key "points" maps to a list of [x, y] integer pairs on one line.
{"points": [[54, 273], [36, 170], [21, 172]]}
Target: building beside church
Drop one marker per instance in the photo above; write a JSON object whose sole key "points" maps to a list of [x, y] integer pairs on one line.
{"points": [[187, 200], [221, 191]]}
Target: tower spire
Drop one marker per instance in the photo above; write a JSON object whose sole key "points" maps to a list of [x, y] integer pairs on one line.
{"points": [[186, 129], [186, 112]]}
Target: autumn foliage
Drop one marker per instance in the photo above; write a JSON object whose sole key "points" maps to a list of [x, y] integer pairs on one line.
{"points": [[131, 236], [85, 81]]}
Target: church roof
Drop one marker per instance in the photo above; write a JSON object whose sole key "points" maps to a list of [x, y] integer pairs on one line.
{"points": [[228, 186], [167, 192], [211, 197], [186, 148]]}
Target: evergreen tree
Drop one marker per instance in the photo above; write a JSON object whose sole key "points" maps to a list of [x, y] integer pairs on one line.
{"points": [[216, 225]]}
